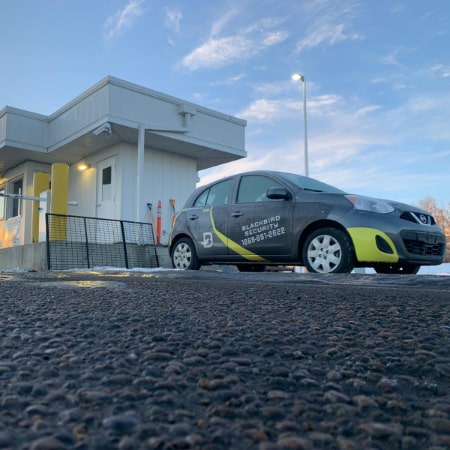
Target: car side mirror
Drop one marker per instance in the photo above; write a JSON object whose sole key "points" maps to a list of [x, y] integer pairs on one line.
{"points": [[278, 193]]}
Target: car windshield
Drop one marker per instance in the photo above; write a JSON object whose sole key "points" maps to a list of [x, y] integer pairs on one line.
{"points": [[310, 184]]}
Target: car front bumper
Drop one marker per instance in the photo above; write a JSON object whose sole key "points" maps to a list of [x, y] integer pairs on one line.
{"points": [[411, 246]]}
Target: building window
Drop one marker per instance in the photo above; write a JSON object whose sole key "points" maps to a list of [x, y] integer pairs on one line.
{"points": [[11, 206], [2, 202], [17, 187], [107, 183]]}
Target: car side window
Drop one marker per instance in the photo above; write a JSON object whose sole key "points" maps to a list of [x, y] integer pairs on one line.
{"points": [[253, 188], [201, 199], [218, 194]]}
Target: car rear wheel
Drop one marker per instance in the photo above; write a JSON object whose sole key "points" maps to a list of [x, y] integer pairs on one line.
{"points": [[328, 250], [400, 269], [184, 255]]}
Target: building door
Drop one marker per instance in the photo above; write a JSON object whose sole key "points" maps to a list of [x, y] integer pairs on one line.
{"points": [[106, 188]]}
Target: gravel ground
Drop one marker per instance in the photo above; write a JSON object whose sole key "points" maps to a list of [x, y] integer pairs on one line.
{"points": [[129, 361]]}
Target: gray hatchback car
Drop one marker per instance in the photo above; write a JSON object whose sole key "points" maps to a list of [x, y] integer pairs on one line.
{"points": [[262, 218]]}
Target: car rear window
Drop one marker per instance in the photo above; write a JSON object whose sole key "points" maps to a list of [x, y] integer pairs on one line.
{"points": [[217, 194]]}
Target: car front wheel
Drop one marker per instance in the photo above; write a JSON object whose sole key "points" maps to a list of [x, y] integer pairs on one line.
{"points": [[184, 255], [328, 250]]}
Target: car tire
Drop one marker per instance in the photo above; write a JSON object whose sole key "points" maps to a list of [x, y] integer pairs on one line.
{"points": [[328, 250], [184, 255], [399, 269], [251, 267]]}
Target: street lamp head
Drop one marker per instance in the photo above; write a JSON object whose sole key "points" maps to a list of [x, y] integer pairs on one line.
{"points": [[298, 77]]}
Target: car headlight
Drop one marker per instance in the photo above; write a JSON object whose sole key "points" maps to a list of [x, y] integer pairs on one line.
{"points": [[369, 204]]}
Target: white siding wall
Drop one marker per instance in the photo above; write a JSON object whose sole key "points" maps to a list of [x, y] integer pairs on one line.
{"points": [[144, 106], [83, 185], [82, 189], [166, 176], [77, 116], [227, 133], [24, 129]]}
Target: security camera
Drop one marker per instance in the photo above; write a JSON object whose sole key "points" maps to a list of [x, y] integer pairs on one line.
{"points": [[104, 130]]}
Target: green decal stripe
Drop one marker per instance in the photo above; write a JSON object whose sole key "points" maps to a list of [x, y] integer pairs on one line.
{"points": [[366, 249], [247, 254]]}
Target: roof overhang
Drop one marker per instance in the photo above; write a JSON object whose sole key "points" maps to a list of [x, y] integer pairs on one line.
{"points": [[209, 137]]}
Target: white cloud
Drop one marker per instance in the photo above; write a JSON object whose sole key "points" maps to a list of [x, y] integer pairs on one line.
{"points": [[327, 34], [274, 88], [367, 110], [218, 51], [229, 81], [173, 19], [269, 110], [441, 71], [320, 102], [329, 23], [220, 24], [123, 19], [265, 110], [274, 38], [391, 58]]}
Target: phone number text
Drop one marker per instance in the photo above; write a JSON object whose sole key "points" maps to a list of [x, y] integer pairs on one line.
{"points": [[263, 236]]}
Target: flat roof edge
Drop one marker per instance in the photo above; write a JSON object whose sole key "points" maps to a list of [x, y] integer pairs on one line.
{"points": [[176, 100], [126, 85], [23, 112]]}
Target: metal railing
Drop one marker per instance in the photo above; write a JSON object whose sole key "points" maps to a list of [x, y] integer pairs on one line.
{"points": [[87, 242]]}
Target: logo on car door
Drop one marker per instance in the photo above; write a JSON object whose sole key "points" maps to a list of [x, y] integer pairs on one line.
{"points": [[207, 240]]}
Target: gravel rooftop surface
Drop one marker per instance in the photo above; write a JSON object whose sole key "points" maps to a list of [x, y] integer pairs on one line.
{"points": [[223, 361]]}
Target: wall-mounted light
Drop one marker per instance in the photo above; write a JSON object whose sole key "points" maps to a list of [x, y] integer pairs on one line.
{"points": [[83, 165]]}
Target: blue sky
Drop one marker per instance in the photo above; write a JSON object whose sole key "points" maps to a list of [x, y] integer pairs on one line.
{"points": [[377, 76]]}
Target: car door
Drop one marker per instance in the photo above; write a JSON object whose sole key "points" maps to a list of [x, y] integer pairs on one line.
{"points": [[257, 224], [207, 220]]}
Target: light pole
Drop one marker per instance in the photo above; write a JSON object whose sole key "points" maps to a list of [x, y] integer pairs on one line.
{"points": [[300, 77]]}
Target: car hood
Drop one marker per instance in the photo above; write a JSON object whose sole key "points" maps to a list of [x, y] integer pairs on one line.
{"points": [[399, 206], [404, 207]]}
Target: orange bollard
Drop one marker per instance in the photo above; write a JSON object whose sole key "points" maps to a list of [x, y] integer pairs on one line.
{"points": [[158, 223]]}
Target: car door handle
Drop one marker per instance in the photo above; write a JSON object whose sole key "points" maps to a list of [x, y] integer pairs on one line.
{"points": [[237, 214], [193, 217]]}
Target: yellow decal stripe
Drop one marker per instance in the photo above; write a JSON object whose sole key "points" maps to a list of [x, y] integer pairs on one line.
{"points": [[364, 242], [247, 254]]}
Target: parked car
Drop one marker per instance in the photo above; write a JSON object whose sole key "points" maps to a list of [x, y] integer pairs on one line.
{"points": [[261, 218]]}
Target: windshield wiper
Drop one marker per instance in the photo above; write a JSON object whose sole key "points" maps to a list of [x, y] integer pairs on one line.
{"points": [[312, 190]]}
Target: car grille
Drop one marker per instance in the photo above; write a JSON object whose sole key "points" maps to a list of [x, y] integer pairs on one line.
{"points": [[423, 219], [422, 243], [422, 248]]}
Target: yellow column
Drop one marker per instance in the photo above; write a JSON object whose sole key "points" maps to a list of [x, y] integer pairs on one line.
{"points": [[60, 197], [41, 182]]}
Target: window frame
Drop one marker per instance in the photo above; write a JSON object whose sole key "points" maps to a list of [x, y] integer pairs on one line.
{"points": [[12, 207], [246, 178], [208, 191], [3, 201]]}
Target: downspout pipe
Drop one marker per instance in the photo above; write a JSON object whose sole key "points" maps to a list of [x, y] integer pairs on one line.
{"points": [[140, 174]]}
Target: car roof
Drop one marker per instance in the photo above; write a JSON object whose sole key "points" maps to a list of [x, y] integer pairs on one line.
{"points": [[250, 172]]}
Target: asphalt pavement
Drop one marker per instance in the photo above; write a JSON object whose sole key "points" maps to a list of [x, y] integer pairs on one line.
{"points": [[223, 360]]}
